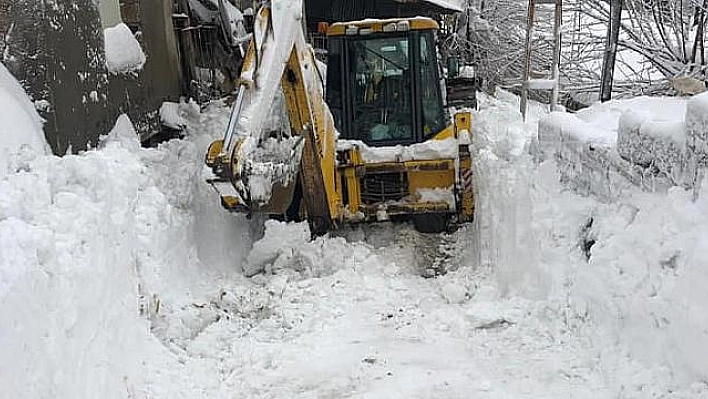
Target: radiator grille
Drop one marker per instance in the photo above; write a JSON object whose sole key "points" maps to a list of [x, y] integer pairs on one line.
{"points": [[382, 187]]}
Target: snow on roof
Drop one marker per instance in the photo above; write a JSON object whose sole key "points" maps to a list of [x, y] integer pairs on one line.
{"points": [[444, 4]]}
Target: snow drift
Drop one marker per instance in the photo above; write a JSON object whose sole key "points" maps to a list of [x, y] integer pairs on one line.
{"points": [[21, 134]]}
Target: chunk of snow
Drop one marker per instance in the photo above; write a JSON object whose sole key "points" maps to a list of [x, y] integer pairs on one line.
{"points": [[279, 239], [659, 144], [170, 115], [541, 84], [123, 51], [454, 293], [425, 151], [122, 134], [437, 195], [21, 126]]}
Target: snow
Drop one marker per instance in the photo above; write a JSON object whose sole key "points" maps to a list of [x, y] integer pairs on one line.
{"points": [[118, 263], [123, 51], [173, 114], [21, 134], [541, 84], [445, 4], [642, 141], [122, 277], [659, 144], [437, 195], [426, 151]]}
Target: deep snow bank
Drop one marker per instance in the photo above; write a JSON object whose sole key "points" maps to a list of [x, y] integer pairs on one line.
{"points": [[628, 270], [68, 275], [653, 143], [21, 127], [91, 245]]}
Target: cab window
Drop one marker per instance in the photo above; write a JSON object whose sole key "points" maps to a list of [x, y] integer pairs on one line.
{"points": [[381, 98], [433, 114]]}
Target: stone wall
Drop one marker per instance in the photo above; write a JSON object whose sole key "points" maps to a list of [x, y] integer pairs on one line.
{"points": [[55, 49], [654, 155]]}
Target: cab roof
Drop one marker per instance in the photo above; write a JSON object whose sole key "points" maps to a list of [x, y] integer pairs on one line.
{"points": [[381, 25]]}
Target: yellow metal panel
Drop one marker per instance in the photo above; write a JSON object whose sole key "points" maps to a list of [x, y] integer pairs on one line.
{"points": [[430, 175], [463, 121], [446, 133], [213, 152], [418, 23], [430, 179], [353, 185], [308, 115]]}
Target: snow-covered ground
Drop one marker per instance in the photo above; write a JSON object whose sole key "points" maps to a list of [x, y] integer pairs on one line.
{"points": [[121, 277]]}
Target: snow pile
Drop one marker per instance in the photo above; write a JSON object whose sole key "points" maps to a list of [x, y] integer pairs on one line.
{"points": [[170, 115], [656, 144], [696, 139], [642, 141], [645, 276], [21, 135], [586, 155], [626, 275], [426, 151], [502, 194], [280, 242], [123, 51], [437, 195], [68, 275], [91, 246], [607, 115]]}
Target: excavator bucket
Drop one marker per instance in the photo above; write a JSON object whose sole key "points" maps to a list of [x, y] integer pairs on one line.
{"points": [[274, 127]]}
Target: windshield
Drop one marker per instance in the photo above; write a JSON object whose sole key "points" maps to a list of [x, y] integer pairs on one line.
{"points": [[382, 89]]}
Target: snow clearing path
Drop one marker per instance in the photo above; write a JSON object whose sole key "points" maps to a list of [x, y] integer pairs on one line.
{"points": [[126, 283], [352, 317]]}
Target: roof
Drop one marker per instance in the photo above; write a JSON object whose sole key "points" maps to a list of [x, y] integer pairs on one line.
{"points": [[332, 11], [441, 5]]}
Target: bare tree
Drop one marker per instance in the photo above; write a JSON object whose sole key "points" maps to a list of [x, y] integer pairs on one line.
{"points": [[668, 34], [665, 36]]}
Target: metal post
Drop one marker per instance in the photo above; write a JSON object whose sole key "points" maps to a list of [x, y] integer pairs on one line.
{"points": [[556, 53], [527, 59], [608, 63]]}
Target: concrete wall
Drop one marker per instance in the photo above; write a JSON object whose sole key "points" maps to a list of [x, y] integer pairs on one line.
{"points": [[110, 13], [55, 49], [141, 96]]}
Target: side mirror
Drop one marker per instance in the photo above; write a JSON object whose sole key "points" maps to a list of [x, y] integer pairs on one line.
{"points": [[453, 67]]}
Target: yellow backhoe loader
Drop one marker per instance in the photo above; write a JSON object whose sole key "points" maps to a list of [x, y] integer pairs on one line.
{"points": [[377, 146]]}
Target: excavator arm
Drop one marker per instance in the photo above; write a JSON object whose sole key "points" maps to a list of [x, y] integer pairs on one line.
{"points": [[257, 170]]}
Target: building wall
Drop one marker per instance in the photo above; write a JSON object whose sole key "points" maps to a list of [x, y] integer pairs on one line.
{"points": [[55, 49], [140, 96], [109, 10]]}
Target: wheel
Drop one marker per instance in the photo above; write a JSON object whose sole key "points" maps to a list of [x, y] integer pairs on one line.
{"points": [[430, 222]]}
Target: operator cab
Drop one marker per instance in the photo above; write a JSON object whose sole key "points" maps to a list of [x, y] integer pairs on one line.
{"points": [[383, 86]]}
